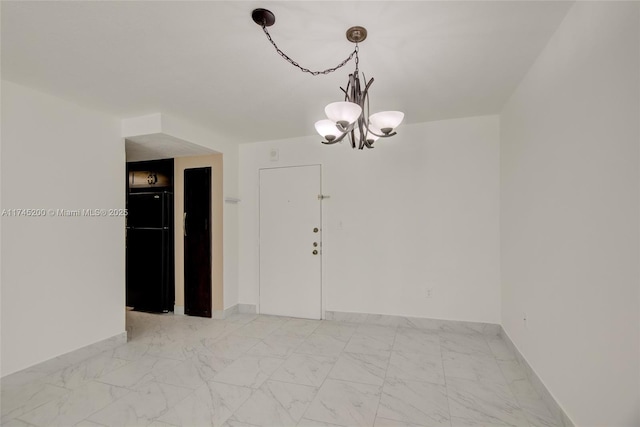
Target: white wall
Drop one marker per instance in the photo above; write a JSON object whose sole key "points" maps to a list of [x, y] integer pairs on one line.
{"points": [[569, 214], [419, 211], [62, 277]]}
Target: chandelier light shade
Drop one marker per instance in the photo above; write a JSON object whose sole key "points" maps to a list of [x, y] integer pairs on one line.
{"points": [[373, 133], [343, 113], [328, 129], [386, 121], [350, 117]]}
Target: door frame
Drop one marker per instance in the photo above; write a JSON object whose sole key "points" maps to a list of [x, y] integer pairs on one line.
{"points": [[323, 236]]}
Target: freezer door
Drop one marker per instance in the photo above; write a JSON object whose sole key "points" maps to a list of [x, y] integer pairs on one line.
{"points": [[149, 210]]}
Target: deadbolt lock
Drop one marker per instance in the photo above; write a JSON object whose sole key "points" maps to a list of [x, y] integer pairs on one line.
{"points": [[315, 252], [315, 229], [315, 244]]}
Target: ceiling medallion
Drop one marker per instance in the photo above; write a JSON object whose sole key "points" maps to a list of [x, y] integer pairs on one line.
{"points": [[349, 117]]}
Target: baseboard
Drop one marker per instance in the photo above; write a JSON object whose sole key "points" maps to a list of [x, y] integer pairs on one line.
{"points": [[223, 314], [216, 314], [247, 308], [457, 326], [70, 358], [537, 383]]}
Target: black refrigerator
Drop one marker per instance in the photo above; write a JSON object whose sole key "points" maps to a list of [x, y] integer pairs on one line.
{"points": [[150, 266]]}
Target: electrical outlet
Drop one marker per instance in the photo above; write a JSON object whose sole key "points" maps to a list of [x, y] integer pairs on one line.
{"points": [[429, 293]]}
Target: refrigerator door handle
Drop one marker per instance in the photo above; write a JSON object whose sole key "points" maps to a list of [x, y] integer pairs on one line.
{"points": [[184, 224]]}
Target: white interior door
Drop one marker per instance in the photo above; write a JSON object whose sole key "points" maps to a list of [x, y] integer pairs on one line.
{"points": [[290, 219]]}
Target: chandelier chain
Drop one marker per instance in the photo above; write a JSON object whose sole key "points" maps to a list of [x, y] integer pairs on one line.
{"points": [[356, 50], [306, 70]]}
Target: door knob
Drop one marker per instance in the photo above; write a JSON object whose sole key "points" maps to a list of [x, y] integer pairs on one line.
{"points": [[315, 229], [315, 252]]}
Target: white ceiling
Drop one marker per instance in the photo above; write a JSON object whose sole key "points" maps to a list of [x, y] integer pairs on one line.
{"points": [[161, 146], [209, 63]]}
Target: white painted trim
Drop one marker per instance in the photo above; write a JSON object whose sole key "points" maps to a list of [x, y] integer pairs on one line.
{"points": [[457, 326], [73, 357], [178, 310], [223, 314], [539, 386], [247, 309], [323, 247]]}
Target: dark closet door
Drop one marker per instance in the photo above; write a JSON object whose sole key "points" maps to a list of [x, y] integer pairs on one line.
{"points": [[197, 242], [146, 269]]}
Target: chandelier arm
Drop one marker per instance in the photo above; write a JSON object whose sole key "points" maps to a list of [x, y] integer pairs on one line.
{"points": [[330, 142], [366, 88], [340, 138], [383, 135], [365, 114], [306, 70]]}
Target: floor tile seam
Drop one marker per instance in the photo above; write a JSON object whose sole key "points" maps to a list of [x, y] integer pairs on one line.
{"points": [[413, 380], [19, 418], [40, 389], [476, 355], [67, 392], [385, 378], [333, 335], [531, 423], [356, 382], [519, 401], [410, 351], [164, 357], [415, 353], [513, 393], [75, 388], [129, 391], [276, 400], [28, 424], [243, 422], [368, 354], [236, 385], [168, 408], [333, 357], [380, 387], [495, 356], [244, 353], [446, 385], [291, 383], [139, 384], [286, 357], [500, 421], [252, 392], [324, 422], [91, 421], [319, 388], [161, 381]]}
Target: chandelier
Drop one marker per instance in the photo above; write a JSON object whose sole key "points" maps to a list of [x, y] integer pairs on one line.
{"points": [[349, 117]]}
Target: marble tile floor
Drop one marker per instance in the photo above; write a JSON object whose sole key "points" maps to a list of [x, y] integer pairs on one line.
{"points": [[253, 370]]}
